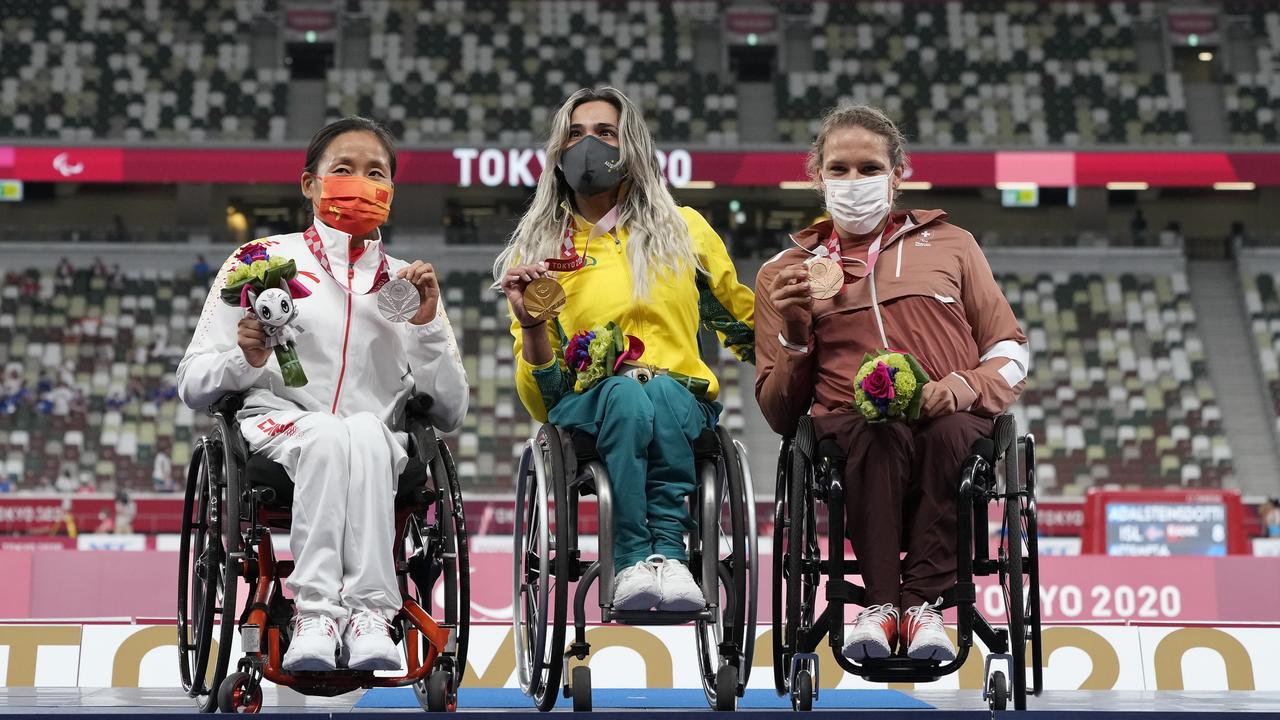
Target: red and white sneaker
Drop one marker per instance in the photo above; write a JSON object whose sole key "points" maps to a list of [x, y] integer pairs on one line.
{"points": [[367, 643], [924, 635], [873, 634], [313, 644]]}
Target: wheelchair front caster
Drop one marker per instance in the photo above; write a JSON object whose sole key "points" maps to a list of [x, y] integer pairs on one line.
{"points": [[727, 688], [439, 693], [997, 691], [802, 693], [580, 688], [239, 694]]}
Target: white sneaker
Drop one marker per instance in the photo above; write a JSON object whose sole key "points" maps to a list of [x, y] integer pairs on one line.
{"points": [[924, 635], [367, 644], [675, 584], [636, 588], [873, 634], [313, 643]]}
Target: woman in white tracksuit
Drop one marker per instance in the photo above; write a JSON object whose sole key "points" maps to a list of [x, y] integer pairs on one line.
{"points": [[332, 434]]}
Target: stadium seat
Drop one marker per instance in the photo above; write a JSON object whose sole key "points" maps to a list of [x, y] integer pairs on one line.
{"points": [[1090, 400], [985, 74]]}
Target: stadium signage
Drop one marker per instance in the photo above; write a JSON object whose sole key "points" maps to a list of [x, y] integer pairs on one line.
{"points": [[495, 167], [681, 167]]}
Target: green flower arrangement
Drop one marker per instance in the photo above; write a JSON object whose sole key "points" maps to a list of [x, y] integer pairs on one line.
{"points": [[598, 353], [888, 387]]}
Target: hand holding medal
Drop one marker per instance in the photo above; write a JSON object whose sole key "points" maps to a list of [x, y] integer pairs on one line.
{"points": [[826, 277], [412, 296], [544, 298], [535, 297]]}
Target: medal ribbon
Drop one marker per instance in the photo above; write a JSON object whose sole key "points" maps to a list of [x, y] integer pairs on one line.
{"points": [[569, 259], [831, 248], [316, 246]]}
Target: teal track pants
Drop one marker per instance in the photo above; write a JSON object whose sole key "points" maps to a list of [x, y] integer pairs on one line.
{"points": [[645, 434]]}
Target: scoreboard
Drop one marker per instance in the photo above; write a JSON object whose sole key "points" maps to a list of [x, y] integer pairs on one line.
{"points": [[1164, 523]]}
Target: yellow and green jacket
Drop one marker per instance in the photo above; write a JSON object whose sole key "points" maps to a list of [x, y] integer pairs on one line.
{"points": [[667, 321]]}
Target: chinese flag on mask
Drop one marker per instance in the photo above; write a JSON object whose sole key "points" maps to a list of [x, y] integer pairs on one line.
{"points": [[354, 204]]}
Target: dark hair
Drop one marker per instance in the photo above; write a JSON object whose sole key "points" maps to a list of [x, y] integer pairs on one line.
{"points": [[320, 141]]}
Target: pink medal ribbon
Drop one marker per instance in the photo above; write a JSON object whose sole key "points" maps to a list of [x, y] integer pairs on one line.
{"points": [[569, 259], [316, 246], [832, 247]]}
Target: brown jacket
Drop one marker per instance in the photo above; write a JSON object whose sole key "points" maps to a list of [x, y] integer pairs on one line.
{"points": [[938, 301]]}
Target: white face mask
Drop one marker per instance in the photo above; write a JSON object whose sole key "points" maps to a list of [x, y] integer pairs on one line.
{"points": [[858, 206]]}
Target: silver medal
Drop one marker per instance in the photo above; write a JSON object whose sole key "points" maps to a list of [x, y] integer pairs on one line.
{"points": [[398, 300]]}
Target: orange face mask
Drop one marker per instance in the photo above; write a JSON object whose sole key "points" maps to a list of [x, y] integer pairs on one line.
{"points": [[353, 204]]}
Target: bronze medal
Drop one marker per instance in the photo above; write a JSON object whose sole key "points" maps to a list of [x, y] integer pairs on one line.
{"points": [[826, 278], [544, 298]]}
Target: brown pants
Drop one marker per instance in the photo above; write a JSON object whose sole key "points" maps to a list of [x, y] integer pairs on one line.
{"points": [[900, 494]]}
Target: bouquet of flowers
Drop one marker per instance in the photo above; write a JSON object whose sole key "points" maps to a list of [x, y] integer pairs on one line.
{"points": [[268, 285], [598, 353], [889, 386]]}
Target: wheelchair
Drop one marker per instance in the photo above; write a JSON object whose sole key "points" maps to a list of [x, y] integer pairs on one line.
{"points": [[235, 500], [811, 472], [557, 467]]}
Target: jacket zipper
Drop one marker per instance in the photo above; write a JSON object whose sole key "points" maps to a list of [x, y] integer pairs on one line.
{"points": [[346, 335]]}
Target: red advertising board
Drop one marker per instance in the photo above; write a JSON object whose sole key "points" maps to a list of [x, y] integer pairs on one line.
{"points": [[32, 515], [520, 167]]}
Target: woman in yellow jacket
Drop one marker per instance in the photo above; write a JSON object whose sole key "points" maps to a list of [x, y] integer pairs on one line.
{"points": [[603, 223]]}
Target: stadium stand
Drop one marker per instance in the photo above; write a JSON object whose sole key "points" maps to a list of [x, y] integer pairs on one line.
{"points": [[1262, 301], [89, 396], [1118, 394], [986, 74], [968, 74], [110, 69], [443, 71], [89, 358], [1253, 98]]}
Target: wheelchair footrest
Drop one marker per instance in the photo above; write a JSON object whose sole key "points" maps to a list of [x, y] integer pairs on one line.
{"points": [[900, 669], [658, 617]]}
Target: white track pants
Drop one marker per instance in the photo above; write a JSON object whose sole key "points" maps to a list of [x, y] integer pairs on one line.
{"points": [[344, 473]]}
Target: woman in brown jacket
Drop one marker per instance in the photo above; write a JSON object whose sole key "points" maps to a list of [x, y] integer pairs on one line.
{"points": [[912, 283]]}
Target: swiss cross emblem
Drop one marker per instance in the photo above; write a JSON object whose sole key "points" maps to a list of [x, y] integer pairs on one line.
{"points": [[922, 240]]}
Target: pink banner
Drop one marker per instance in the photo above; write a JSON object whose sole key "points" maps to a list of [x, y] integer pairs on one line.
{"points": [[56, 583], [520, 167]]}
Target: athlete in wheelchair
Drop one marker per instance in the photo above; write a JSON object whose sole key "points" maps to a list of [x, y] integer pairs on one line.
{"points": [[914, 282], [335, 445], [607, 355]]}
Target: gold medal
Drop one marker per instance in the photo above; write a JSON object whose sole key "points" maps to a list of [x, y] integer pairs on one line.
{"points": [[826, 278], [544, 298]]}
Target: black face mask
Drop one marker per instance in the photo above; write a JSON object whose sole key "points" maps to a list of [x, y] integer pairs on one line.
{"points": [[591, 166]]}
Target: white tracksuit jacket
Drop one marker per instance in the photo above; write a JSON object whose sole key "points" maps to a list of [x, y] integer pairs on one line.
{"points": [[332, 435]]}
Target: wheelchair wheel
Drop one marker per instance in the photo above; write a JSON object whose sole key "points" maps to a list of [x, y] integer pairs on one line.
{"points": [[1012, 548], [540, 578], [734, 624], [802, 698], [240, 695], [1031, 564], [207, 580], [435, 551], [795, 555]]}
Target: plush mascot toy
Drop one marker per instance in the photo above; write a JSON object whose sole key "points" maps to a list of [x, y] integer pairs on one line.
{"points": [[267, 286]]}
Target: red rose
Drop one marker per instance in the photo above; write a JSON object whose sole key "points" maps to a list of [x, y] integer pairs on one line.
{"points": [[879, 384]]}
